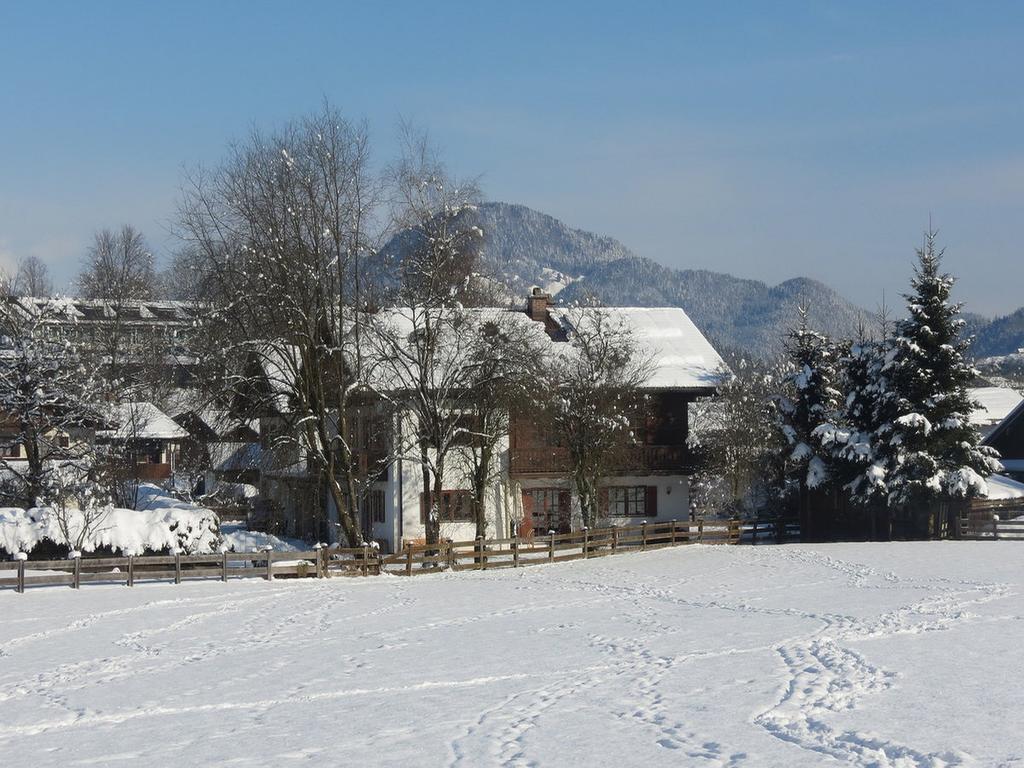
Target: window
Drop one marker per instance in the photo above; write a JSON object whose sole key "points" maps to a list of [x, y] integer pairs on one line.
{"points": [[548, 510], [10, 450], [632, 500], [63, 441], [373, 507], [455, 507]]}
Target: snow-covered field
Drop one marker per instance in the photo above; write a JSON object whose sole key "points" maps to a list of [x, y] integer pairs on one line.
{"points": [[873, 654]]}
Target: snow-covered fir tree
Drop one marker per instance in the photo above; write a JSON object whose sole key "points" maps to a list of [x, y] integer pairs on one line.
{"points": [[865, 408], [925, 446], [811, 401]]}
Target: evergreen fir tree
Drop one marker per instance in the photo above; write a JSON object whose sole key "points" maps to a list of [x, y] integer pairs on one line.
{"points": [[811, 405], [925, 446], [866, 407]]}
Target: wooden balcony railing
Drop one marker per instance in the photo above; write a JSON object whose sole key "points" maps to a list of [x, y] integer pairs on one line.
{"points": [[631, 460]]}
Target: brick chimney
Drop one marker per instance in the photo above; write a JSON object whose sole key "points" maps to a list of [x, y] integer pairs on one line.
{"points": [[537, 305]]}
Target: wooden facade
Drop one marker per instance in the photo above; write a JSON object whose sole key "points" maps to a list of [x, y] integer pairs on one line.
{"points": [[659, 446]]}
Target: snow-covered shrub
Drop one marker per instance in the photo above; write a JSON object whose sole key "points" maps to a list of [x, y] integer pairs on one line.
{"points": [[168, 525]]}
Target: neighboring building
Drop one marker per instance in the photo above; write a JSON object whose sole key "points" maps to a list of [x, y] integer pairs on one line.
{"points": [[146, 334], [996, 404], [221, 452], [87, 319], [151, 439], [531, 491], [1008, 438]]}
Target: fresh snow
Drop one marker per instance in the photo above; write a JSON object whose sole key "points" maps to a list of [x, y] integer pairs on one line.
{"points": [[142, 421], [160, 524], [1001, 488], [901, 654], [238, 538], [679, 354], [996, 404]]}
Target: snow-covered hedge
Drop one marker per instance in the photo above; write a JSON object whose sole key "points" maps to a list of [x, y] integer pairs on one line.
{"points": [[164, 524]]}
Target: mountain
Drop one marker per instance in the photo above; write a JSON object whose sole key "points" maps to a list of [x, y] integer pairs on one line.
{"points": [[526, 248], [1002, 336], [741, 317]]}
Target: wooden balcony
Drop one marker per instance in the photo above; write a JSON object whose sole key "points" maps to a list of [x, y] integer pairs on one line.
{"points": [[632, 460]]}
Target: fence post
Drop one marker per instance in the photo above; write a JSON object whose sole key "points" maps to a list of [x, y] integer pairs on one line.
{"points": [[270, 563], [177, 567], [672, 533], [77, 576], [734, 530], [327, 561], [586, 542], [643, 536], [615, 538], [365, 568], [451, 555], [551, 545], [700, 531], [131, 570], [21, 574], [481, 556], [515, 551], [224, 564], [408, 558]]}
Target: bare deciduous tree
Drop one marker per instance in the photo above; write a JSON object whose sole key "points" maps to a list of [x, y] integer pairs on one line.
{"points": [[509, 352], [281, 230], [118, 267], [33, 278], [117, 272], [430, 349], [48, 399], [592, 391]]}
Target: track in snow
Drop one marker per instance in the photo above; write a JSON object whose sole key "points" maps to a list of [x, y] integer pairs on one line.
{"points": [[716, 656]]}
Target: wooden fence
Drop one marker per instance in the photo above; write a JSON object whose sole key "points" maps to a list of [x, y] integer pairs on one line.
{"points": [[997, 519], [327, 562]]}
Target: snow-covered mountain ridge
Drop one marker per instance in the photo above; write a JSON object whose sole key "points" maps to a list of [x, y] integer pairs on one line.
{"points": [[526, 247]]}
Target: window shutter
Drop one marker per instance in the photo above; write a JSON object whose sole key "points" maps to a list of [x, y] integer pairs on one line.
{"points": [[527, 505], [652, 501]]}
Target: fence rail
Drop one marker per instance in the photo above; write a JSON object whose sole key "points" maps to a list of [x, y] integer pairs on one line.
{"points": [[992, 520], [329, 562]]}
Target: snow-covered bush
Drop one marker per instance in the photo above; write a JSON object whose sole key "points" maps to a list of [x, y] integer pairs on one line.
{"points": [[167, 525]]}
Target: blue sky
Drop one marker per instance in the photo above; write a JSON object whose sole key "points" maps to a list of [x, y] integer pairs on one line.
{"points": [[765, 140]]}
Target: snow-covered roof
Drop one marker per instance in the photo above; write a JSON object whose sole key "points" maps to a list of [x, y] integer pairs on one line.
{"points": [[231, 456], [1000, 488], [996, 404], [681, 357], [143, 421], [72, 310], [399, 323]]}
